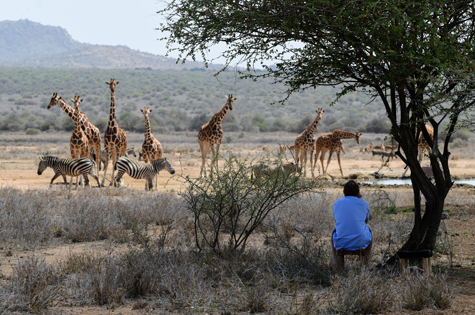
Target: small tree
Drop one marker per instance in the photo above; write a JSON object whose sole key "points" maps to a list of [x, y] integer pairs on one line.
{"points": [[232, 203]]}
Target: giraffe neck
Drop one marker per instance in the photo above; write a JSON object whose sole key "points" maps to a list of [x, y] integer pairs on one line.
{"points": [[219, 116], [340, 134], [148, 131], [112, 109], [77, 123], [313, 126], [67, 109]]}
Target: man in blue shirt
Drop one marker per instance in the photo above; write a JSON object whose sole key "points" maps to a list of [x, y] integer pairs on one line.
{"points": [[351, 214]]}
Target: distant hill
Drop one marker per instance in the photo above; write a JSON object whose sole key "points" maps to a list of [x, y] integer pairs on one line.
{"points": [[29, 44], [27, 40]]}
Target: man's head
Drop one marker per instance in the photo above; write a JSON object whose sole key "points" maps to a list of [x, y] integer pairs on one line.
{"points": [[351, 188]]}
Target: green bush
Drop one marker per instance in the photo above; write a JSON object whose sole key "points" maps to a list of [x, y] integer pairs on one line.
{"points": [[32, 131], [230, 204]]}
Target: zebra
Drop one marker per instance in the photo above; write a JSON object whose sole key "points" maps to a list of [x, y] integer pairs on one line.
{"points": [[71, 167], [102, 155], [138, 171]]}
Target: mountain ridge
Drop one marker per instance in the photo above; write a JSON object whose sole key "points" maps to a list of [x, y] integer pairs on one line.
{"points": [[25, 43]]}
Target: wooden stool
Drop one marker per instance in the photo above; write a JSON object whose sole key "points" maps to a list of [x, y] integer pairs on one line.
{"points": [[341, 253], [404, 257]]}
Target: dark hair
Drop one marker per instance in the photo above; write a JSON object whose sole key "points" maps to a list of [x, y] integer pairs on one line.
{"points": [[351, 188]]}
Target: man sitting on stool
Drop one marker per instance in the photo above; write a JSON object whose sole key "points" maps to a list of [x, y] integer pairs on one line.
{"points": [[351, 214]]}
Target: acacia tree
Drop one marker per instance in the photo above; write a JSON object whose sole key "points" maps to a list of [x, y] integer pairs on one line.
{"points": [[416, 56]]}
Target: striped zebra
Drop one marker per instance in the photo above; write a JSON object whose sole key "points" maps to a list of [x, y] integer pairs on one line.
{"points": [[102, 155], [139, 171], [69, 167]]}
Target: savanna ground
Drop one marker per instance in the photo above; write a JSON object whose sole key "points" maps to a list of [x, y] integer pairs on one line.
{"points": [[127, 251]]}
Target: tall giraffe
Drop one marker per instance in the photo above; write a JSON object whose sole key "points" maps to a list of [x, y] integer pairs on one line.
{"points": [[91, 131], [151, 147], [423, 144], [212, 133], [332, 142], [115, 139], [305, 143], [79, 144]]}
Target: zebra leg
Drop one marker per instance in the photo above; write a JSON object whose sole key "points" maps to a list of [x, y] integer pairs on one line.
{"points": [[95, 177], [86, 181], [64, 179], [117, 179], [150, 183], [56, 175]]}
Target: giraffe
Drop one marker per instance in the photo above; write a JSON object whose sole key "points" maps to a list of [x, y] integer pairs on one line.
{"points": [[91, 131], [151, 147], [332, 142], [212, 133], [305, 143], [79, 144], [423, 144], [115, 139]]}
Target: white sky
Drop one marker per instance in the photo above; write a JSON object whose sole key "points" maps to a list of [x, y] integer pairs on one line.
{"points": [[103, 22]]}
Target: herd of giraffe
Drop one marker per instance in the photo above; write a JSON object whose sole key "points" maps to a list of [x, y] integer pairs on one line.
{"points": [[86, 136]]}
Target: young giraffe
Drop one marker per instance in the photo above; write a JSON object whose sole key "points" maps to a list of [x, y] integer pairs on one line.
{"points": [[305, 143], [115, 139], [212, 133], [79, 144], [151, 147], [332, 142], [91, 131], [423, 144]]}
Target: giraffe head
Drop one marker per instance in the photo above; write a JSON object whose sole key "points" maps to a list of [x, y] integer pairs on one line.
{"points": [[357, 137], [54, 100], [230, 100], [112, 84], [320, 112], [77, 100], [146, 111]]}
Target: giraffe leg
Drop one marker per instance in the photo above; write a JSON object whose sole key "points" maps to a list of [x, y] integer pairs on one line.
{"points": [[338, 157], [329, 159], [297, 152], [304, 162], [215, 156], [311, 162], [114, 160], [322, 157], [315, 162], [97, 153], [106, 164], [204, 146]]}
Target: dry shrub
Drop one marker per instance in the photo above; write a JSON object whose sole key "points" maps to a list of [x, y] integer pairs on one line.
{"points": [[26, 216], [360, 293], [105, 284], [34, 284], [421, 291], [255, 299], [81, 262]]}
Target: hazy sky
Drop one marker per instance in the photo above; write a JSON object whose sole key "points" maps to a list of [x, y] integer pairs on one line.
{"points": [[105, 22]]}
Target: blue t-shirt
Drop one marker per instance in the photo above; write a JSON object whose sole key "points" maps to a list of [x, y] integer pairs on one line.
{"points": [[351, 231]]}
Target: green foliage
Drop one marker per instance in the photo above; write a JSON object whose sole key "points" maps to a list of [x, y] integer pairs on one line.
{"points": [[230, 205], [187, 110], [32, 131]]}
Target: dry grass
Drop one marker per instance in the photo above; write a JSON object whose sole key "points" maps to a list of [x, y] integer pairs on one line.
{"points": [[152, 262]]}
